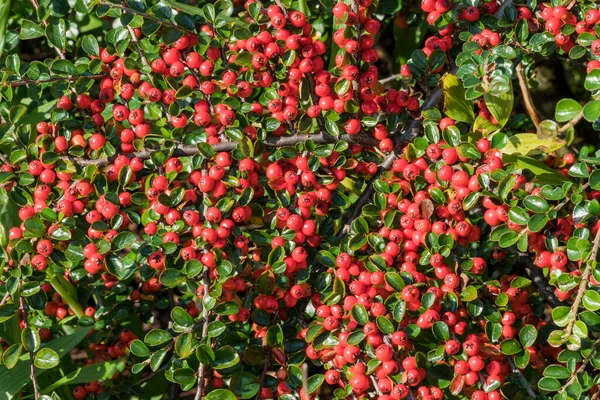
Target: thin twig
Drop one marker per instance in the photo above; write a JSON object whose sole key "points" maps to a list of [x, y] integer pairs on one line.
{"points": [[36, 390], [25, 82], [386, 340], [533, 114], [282, 7], [134, 39], [60, 53], [390, 79], [263, 374], [584, 364], [205, 316], [5, 298], [585, 278], [410, 132], [144, 15], [571, 123], [539, 281], [183, 151], [521, 378], [374, 382]]}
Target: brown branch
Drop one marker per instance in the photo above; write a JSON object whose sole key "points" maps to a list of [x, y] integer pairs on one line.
{"points": [[184, 151], [205, 316], [521, 378], [539, 281], [134, 39], [585, 278], [584, 364], [533, 114], [409, 133], [25, 82], [144, 15], [36, 390]]}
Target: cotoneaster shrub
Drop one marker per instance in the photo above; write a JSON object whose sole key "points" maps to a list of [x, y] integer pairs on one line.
{"points": [[257, 200]]}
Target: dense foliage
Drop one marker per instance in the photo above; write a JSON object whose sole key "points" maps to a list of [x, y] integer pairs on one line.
{"points": [[232, 200]]}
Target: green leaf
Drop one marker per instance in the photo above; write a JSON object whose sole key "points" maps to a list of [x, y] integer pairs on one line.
{"points": [[527, 335], [591, 111], [537, 222], [63, 67], [469, 294], [595, 180], [225, 357], [510, 347], [557, 371], [7, 311], [592, 80], [456, 106], [549, 384], [385, 325], [46, 358], [139, 349], [220, 394], [10, 357], [122, 241], [441, 331], [500, 105], [315, 382], [244, 385], [536, 204], [61, 234], [591, 300], [543, 173], [56, 32], [561, 315], [30, 30], [185, 345], [359, 313], [30, 339], [156, 337], [531, 144], [12, 381], [91, 373], [90, 45], [275, 335], [566, 110]]}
